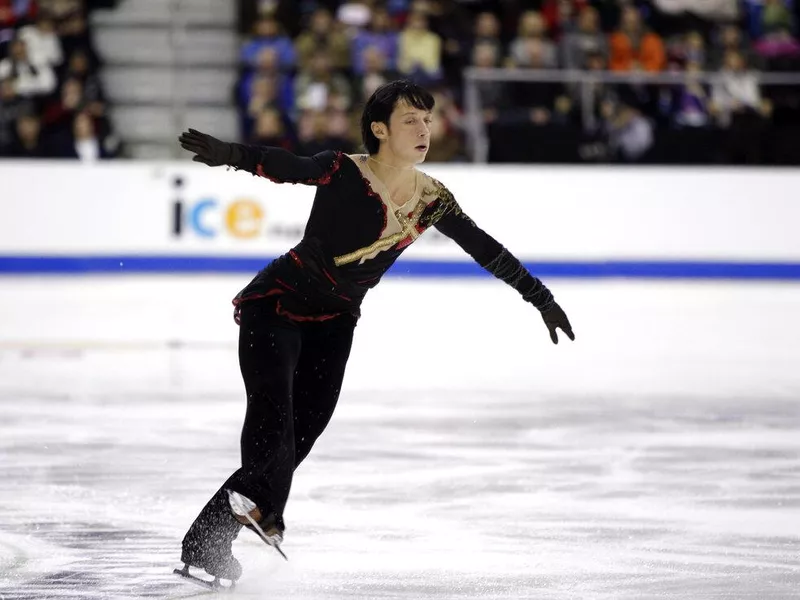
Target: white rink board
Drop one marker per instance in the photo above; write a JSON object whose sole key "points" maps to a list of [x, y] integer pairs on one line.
{"points": [[544, 213]]}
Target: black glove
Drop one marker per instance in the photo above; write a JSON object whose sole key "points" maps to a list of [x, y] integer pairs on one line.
{"points": [[555, 317], [209, 150]]}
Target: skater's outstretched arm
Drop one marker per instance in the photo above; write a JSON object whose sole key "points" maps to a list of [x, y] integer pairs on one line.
{"points": [[499, 261], [276, 164]]}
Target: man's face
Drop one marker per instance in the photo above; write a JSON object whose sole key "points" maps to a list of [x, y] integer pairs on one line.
{"points": [[631, 21], [321, 22], [28, 128], [409, 132], [267, 28], [588, 20]]}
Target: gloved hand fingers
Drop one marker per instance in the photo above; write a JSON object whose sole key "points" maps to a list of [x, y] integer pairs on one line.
{"points": [[204, 160], [553, 333], [567, 328], [207, 140], [192, 148], [191, 141]]}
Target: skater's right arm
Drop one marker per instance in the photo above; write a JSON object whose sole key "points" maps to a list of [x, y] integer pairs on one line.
{"points": [[276, 164]]}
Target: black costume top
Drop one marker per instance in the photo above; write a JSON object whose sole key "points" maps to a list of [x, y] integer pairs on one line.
{"points": [[355, 233]]}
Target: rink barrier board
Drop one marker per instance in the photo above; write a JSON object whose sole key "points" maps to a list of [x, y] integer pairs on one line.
{"points": [[129, 265]]}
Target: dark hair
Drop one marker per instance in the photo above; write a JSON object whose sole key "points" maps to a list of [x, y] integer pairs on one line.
{"points": [[380, 105]]}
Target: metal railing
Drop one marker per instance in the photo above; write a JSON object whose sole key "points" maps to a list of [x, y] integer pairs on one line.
{"points": [[477, 136]]}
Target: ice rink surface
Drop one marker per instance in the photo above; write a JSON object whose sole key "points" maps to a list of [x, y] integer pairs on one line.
{"points": [[656, 457]]}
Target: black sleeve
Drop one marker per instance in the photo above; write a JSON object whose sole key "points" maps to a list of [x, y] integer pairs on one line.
{"points": [[282, 166], [490, 254]]}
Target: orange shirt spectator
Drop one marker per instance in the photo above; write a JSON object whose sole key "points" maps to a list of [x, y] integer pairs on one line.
{"points": [[632, 48]]}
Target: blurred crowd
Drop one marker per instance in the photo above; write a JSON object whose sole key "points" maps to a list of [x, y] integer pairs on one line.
{"points": [[52, 103], [308, 65]]}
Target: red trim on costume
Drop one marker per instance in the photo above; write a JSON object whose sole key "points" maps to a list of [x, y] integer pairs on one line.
{"points": [[328, 275], [377, 196], [296, 258], [237, 311], [300, 318], [368, 280], [260, 172], [272, 292], [286, 285]]}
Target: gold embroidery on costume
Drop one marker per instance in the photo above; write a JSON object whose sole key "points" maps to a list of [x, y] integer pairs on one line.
{"points": [[446, 202], [409, 225]]}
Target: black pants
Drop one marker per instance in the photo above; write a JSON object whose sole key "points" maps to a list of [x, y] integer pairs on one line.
{"points": [[292, 373]]}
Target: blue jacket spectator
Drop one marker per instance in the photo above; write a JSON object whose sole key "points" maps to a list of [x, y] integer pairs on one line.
{"points": [[268, 35], [380, 35]]}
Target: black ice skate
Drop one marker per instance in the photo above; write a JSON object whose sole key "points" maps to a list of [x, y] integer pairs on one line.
{"points": [[208, 545], [268, 528]]}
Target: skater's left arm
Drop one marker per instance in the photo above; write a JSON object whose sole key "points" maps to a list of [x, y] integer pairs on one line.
{"points": [[499, 261]]}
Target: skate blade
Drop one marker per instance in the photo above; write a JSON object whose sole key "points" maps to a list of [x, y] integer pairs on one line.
{"points": [[214, 586], [246, 514]]}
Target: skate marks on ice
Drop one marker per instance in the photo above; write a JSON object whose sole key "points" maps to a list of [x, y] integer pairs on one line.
{"points": [[429, 495], [86, 560]]}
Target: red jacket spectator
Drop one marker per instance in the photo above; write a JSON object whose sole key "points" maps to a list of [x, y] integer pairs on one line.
{"points": [[633, 48]]}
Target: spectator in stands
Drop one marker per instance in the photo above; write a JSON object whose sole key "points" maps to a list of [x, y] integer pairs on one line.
{"points": [[692, 100], [633, 48], [559, 14], [316, 87], [60, 112], [73, 30], [267, 35], [693, 49], [777, 41], [82, 142], [376, 73], [776, 17], [487, 31], [585, 39], [493, 95], [323, 35], [630, 134], [532, 41], [316, 135], [737, 93], [599, 93], [536, 99], [419, 51], [28, 142], [264, 95], [270, 130], [267, 67], [767, 17], [381, 35], [453, 23], [29, 79], [42, 42], [731, 37], [78, 67], [12, 107]]}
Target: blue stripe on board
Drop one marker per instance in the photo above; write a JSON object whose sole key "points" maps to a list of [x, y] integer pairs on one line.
{"points": [[28, 265]]}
